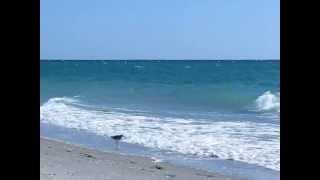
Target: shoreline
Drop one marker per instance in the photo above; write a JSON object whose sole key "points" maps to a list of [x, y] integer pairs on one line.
{"points": [[60, 160]]}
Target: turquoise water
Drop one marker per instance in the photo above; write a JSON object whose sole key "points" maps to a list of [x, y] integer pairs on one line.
{"points": [[193, 108], [192, 85]]}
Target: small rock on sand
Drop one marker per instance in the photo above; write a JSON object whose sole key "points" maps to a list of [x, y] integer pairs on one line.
{"points": [[158, 167]]}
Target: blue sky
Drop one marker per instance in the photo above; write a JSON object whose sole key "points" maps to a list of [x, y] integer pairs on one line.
{"points": [[160, 29]]}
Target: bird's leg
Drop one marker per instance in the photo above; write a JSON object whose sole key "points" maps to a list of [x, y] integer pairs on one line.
{"points": [[117, 144]]}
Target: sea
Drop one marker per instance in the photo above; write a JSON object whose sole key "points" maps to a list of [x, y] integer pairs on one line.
{"points": [[217, 115]]}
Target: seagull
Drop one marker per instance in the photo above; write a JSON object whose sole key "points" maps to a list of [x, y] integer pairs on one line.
{"points": [[117, 138]]}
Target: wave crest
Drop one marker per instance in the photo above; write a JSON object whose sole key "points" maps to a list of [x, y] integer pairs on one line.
{"points": [[268, 102]]}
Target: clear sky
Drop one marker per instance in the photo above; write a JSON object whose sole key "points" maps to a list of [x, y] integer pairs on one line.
{"points": [[160, 29]]}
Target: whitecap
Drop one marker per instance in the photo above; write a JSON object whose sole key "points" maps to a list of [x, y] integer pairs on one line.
{"points": [[268, 102]]}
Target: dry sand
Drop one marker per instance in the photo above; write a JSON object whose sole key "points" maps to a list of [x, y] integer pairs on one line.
{"points": [[63, 161]]}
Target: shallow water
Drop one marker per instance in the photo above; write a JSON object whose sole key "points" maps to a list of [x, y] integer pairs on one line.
{"points": [[216, 165]]}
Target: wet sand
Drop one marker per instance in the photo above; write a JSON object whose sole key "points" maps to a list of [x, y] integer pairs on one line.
{"points": [[62, 161]]}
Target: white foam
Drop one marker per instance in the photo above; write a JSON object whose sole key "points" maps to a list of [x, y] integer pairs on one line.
{"points": [[268, 102], [138, 67], [257, 143], [156, 160]]}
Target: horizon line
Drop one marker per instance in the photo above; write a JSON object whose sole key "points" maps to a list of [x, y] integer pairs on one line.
{"points": [[141, 59]]}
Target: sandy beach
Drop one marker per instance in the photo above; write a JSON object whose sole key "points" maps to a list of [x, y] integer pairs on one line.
{"points": [[64, 161]]}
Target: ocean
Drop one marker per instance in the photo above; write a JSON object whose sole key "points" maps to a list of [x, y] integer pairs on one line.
{"points": [[225, 111]]}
